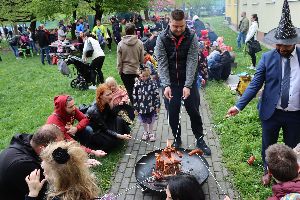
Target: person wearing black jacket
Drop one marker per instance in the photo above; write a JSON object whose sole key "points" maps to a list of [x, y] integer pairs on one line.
{"points": [[222, 69], [43, 40], [21, 157], [109, 129], [116, 28]]}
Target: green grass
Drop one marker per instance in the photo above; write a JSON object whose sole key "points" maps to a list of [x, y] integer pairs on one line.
{"points": [[241, 135], [27, 89]]}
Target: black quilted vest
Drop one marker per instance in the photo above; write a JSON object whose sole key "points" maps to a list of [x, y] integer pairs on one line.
{"points": [[177, 52]]}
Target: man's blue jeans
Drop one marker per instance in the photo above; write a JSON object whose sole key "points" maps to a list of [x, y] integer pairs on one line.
{"points": [[84, 135], [33, 46], [241, 39], [47, 51], [15, 50]]}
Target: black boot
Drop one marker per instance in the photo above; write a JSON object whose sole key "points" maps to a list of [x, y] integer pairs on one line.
{"points": [[202, 145]]}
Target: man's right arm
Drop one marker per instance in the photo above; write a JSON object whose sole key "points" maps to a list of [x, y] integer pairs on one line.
{"points": [[162, 62]]}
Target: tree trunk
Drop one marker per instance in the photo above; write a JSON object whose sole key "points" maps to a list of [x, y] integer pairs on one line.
{"points": [[73, 25], [146, 13], [99, 13], [32, 28], [15, 28]]}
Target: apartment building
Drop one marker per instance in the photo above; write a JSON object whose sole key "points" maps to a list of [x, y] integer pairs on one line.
{"points": [[268, 11]]}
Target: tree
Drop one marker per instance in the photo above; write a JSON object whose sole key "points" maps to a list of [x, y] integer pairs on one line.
{"points": [[14, 11], [109, 6]]}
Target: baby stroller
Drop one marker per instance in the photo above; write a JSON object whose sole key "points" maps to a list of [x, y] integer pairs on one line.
{"points": [[85, 74]]}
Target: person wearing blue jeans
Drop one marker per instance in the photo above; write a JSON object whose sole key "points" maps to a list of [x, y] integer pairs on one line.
{"points": [[45, 50], [15, 50], [13, 43], [241, 39], [243, 29], [43, 39]]}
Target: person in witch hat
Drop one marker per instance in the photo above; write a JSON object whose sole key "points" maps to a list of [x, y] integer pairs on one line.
{"points": [[279, 72]]}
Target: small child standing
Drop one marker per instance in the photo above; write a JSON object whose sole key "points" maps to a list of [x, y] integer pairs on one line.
{"points": [[146, 103], [120, 100], [283, 166]]}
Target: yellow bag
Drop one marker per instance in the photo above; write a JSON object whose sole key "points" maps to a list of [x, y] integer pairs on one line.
{"points": [[243, 84]]}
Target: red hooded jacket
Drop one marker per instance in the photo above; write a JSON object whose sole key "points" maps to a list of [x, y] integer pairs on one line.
{"points": [[60, 117], [282, 189]]}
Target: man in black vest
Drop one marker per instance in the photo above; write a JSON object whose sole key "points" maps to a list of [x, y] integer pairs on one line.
{"points": [[177, 55]]}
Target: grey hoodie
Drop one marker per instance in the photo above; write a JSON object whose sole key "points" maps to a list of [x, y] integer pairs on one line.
{"points": [[130, 54]]}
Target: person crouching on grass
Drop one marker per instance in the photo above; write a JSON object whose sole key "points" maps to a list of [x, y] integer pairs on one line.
{"points": [[146, 103]]}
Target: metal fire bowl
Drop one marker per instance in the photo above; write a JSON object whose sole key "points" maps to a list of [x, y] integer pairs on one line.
{"points": [[194, 165]]}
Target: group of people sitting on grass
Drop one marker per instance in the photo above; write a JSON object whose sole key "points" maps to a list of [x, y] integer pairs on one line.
{"points": [[215, 60], [60, 147]]}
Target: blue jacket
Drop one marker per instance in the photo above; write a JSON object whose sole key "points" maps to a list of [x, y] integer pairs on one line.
{"points": [[269, 72]]}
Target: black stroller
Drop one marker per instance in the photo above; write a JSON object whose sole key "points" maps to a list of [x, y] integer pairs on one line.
{"points": [[85, 74]]}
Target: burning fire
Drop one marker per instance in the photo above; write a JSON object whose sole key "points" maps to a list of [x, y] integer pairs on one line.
{"points": [[168, 162]]}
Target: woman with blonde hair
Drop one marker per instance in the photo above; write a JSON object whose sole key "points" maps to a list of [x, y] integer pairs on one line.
{"points": [[65, 169], [109, 129]]}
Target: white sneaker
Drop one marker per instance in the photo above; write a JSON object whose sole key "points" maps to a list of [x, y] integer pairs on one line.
{"points": [[92, 87]]}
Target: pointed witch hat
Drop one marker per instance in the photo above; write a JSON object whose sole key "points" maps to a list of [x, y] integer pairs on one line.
{"points": [[285, 33]]}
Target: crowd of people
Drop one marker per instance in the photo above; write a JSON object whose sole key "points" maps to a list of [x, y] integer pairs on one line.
{"points": [[54, 161]]}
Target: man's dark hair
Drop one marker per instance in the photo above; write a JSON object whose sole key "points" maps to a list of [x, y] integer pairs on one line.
{"points": [[177, 15], [129, 29], [46, 134], [185, 187], [282, 162]]}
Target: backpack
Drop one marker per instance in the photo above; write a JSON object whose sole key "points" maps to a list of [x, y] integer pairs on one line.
{"points": [[63, 67], [100, 36]]}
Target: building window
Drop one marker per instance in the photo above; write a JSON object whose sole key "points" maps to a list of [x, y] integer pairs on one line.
{"points": [[255, 2]]}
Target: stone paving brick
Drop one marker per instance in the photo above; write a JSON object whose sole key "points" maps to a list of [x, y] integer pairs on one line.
{"points": [[129, 197], [122, 167], [124, 178], [217, 166], [128, 172], [131, 163], [125, 183]]}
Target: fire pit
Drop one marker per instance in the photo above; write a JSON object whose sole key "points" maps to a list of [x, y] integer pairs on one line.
{"points": [[152, 170]]}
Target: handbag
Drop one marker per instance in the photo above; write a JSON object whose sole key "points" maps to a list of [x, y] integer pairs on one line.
{"points": [[254, 46], [89, 49]]}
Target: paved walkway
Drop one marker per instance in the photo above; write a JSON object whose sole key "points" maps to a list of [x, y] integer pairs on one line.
{"points": [[124, 182]]}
